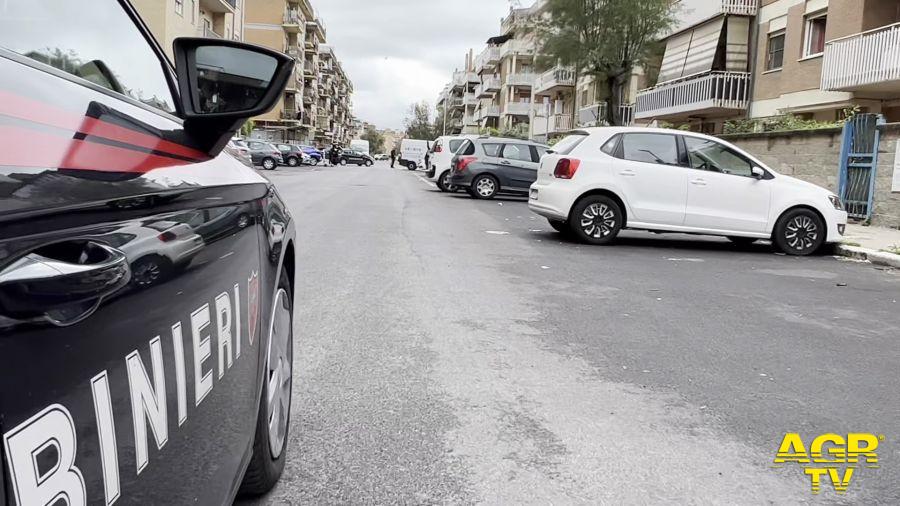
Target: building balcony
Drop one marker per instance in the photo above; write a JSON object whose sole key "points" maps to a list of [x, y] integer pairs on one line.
{"points": [[311, 45], [488, 87], [516, 47], [554, 80], [518, 109], [867, 61], [491, 111], [316, 25], [521, 79], [740, 7], [469, 99], [292, 21], [455, 102], [209, 33], [555, 124], [218, 6], [294, 52], [488, 59], [709, 94], [310, 96], [291, 115], [309, 68], [595, 115]]}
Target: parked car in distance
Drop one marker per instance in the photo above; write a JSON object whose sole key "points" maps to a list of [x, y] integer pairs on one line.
{"points": [[315, 155], [238, 149], [599, 181], [382, 156], [487, 166], [292, 154], [412, 153], [441, 154], [265, 154], [353, 157]]}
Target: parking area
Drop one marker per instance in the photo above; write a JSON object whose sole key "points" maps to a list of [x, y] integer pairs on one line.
{"points": [[456, 350]]}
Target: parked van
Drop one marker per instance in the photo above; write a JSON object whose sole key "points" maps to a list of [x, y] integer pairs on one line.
{"points": [[360, 145], [412, 153]]}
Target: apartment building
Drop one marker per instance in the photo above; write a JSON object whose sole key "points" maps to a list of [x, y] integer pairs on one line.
{"points": [[170, 19], [705, 76], [315, 105], [335, 121], [817, 58], [457, 104]]}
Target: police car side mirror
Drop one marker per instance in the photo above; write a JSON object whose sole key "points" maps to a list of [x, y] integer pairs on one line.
{"points": [[222, 83]]}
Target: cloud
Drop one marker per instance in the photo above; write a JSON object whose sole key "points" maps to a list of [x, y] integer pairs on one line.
{"points": [[398, 52]]}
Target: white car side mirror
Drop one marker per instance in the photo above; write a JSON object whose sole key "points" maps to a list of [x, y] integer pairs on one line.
{"points": [[758, 173]]}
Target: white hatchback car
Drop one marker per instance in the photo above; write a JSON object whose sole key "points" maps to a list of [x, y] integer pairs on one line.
{"points": [[442, 151], [598, 181]]}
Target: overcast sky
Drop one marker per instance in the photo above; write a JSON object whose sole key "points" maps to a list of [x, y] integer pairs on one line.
{"points": [[402, 51]]}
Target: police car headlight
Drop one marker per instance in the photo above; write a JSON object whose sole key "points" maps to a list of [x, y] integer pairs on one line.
{"points": [[836, 202]]}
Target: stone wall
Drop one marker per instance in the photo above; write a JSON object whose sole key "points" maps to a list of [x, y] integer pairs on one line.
{"points": [[814, 156]]}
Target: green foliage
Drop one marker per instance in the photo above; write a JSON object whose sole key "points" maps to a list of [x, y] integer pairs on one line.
{"points": [[375, 138], [418, 122], [247, 128], [784, 123], [519, 132], [603, 38]]}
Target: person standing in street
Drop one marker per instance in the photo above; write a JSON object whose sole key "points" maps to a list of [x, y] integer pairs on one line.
{"points": [[393, 156]]}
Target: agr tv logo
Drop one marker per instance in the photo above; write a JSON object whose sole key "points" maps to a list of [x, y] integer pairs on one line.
{"points": [[830, 457]]}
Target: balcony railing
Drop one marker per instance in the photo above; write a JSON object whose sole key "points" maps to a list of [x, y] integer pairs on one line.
{"points": [[491, 111], [559, 123], [291, 115], [554, 78], [469, 99], [867, 59], [709, 92], [595, 115], [516, 46], [521, 79], [205, 31], [488, 58], [292, 18], [518, 108], [740, 7]]}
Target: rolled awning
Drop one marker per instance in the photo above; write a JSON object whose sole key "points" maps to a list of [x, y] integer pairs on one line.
{"points": [[691, 51]]}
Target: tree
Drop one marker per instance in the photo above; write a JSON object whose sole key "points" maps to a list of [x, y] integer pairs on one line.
{"points": [[375, 138], [247, 128], [418, 122], [605, 39]]}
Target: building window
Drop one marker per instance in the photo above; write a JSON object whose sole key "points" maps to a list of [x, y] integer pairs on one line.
{"points": [[815, 34], [179, 7], [775, 51]]}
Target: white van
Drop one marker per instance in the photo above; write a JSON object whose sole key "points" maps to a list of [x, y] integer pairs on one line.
{"points": [[360, 145], [442, 151], [412, 153]]}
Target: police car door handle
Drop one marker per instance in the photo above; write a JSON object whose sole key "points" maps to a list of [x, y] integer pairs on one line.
{"points": [[62, 283]]}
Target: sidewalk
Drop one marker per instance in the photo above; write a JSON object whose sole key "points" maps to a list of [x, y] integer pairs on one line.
{"points": [[876, 244]]}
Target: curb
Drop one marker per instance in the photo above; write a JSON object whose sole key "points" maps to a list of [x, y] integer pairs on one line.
{"points": [[876, 257]]}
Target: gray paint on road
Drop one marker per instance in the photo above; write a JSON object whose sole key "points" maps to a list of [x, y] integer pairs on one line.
{"points": [[440, 364]]}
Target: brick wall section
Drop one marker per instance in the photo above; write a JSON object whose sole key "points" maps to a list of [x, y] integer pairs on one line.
{"points": [[814, 156]]}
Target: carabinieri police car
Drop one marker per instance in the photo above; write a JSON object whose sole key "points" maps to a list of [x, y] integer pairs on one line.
{"points": [[146, 277]]}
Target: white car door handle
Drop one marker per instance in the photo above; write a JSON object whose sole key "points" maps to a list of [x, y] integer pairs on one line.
{"points": [[627, 172], [698, 182]]}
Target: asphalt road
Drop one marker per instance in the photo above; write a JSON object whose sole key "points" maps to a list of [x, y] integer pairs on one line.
{"points": [[458, 351]]}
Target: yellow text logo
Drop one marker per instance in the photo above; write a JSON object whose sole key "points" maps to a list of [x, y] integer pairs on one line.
{"points": [[831, 458]]}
